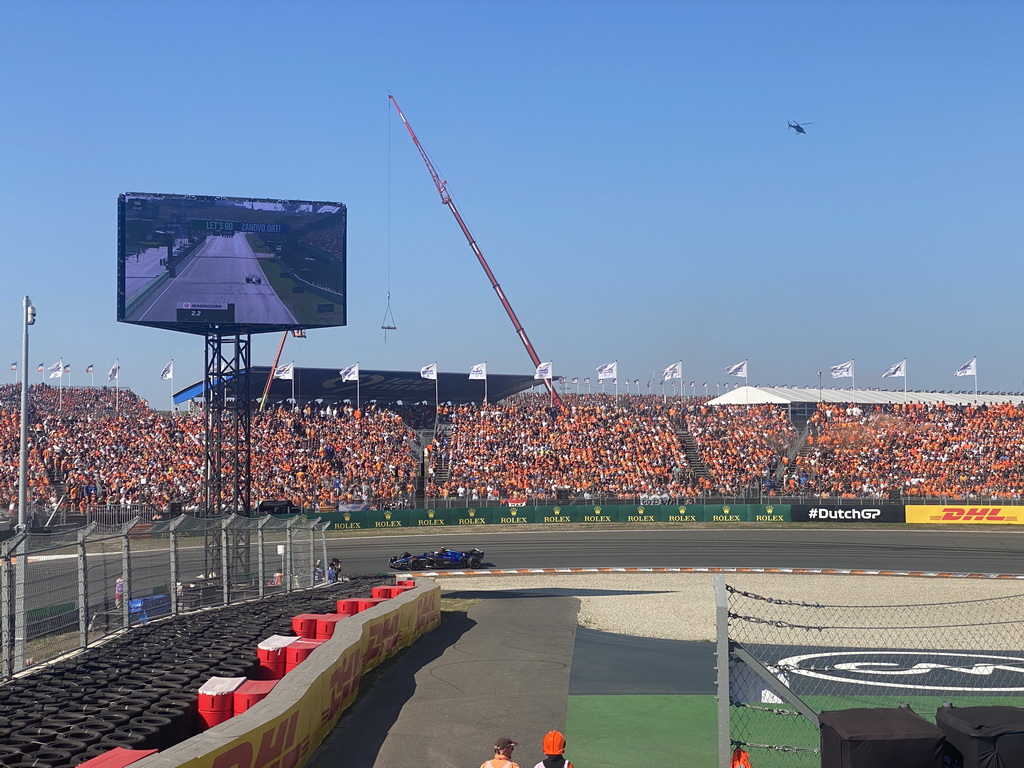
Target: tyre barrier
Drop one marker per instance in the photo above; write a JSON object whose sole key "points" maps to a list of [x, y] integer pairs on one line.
{"points": [[147, 678]]}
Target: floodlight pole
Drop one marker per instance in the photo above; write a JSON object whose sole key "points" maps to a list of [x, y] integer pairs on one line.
{"points": [[28, 318], [20, 628]]}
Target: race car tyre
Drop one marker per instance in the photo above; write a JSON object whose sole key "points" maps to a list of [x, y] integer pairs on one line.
{"points": [[417, 564], [474, 562]]}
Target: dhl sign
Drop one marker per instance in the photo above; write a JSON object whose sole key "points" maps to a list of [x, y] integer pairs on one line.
{"points": [[278, 745], [964, 515]]}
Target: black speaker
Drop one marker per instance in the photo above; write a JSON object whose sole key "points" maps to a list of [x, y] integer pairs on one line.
{"points": [[875, 737], [983, 737]]}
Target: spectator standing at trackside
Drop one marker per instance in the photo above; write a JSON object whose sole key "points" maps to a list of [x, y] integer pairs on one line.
{"points": [[502, 755], [554, 747], [332, 571], [118, 592], [318, 572]]}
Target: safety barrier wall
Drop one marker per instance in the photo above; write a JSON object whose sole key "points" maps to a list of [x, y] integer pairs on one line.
{"points": [[286, 727], [675, 514]]}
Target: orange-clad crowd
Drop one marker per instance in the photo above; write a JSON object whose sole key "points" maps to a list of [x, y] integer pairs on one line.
{"points": [[598, 445], [952, 451], [99, 446], [742, 445]]}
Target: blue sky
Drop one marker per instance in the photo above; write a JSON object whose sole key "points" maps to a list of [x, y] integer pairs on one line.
{"points": [[625, 167]]}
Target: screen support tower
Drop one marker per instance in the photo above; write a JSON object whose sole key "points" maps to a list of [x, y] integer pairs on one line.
{"points": [[228, 406]]}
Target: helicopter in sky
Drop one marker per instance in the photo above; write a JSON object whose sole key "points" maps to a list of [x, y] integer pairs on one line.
{"points": [[798, 127]]}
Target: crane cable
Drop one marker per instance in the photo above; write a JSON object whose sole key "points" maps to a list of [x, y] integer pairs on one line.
{"points": [[388, 323]]}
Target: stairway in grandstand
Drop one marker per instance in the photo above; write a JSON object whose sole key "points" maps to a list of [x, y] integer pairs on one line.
{"points": [[799, 447], [693, 454]]}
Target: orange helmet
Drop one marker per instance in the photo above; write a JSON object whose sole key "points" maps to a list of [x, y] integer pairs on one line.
{"points": [[554, 743]]}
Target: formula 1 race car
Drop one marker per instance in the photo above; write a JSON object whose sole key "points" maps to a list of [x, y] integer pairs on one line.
{"points": [[438, 558], [256, 279]]}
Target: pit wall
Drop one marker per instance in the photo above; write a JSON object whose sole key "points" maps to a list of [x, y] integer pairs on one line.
{"points": [[676, 514], [288, 725]]}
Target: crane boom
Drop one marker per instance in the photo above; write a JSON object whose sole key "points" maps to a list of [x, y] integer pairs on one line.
{"points": [[446, 199]]}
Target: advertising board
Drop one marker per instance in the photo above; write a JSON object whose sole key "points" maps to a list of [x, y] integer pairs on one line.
{"points": [[198, 264], [846, 513]]}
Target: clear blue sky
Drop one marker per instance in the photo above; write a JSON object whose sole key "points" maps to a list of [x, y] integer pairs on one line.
{"points": [[625, 167]]}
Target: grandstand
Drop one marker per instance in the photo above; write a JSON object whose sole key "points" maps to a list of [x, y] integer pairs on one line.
{"points": [[96, 448]]}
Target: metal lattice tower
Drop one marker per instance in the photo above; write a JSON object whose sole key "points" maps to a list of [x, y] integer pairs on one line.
{"points": [[228, 404]]}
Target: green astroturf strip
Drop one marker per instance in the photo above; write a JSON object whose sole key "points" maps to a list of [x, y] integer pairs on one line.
{"points": [[652, 731]]}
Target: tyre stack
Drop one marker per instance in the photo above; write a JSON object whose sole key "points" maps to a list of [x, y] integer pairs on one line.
{"points": [[140, 690]]}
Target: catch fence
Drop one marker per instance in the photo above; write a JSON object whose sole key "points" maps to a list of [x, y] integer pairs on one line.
{"points": [[782, 662], [61, 592]]}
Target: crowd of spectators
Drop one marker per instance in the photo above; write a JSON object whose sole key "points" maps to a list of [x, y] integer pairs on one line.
{"points": [[598, 445], [100, 446], [914, 450], [742, 445], [92, 446]]}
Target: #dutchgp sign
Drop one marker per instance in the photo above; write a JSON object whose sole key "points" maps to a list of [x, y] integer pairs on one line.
{"points": [[838, 513]]}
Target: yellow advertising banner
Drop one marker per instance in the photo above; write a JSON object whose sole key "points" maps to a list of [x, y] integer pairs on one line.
{"points": [[959, 515]]}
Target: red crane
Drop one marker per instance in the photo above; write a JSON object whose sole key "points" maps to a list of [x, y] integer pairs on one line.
{"points": [[446, 199]]}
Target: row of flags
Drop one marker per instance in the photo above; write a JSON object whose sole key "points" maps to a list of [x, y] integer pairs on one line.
{"points": [[846, 370], [60, 369]]}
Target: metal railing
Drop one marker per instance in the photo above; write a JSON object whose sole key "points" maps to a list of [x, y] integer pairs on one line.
{"points": [[63, 591]]}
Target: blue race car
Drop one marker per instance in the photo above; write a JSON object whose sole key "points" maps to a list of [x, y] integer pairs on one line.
{"points": [[438, 558]]}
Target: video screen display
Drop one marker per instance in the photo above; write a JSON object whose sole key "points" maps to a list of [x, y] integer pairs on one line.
{"points": [[230, 265]]}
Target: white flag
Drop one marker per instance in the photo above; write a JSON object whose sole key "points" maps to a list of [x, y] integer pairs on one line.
{"points": [[351, 373], [899, 369], [674, 371], [112, 373], [543, 371], [586, 380], [608, 371], [14, 366], [843, 370], [478, 371], [740, 369], [286, 372], [970, 368], [168, 371], [575, 380], [56, 370], [429, 371]]}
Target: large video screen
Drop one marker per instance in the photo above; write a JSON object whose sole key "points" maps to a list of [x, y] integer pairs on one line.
{"points": [[230, 265]]}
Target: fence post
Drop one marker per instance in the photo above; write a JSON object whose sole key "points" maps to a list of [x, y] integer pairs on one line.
{"points": [[722, 668], [172, 537], [312, 550], [261, 564], [224, 587], [323, 541], [83, 587], [126, 573], [7, 614], [288, 555]]}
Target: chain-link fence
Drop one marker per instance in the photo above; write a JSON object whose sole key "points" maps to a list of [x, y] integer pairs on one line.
{"points": [[788, 661], [62, 591]]}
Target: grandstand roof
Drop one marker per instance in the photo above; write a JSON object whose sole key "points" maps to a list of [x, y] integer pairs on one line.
{"points": [[787, 395], [382, 386]]}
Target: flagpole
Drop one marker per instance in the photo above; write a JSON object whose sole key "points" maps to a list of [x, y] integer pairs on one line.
{"points": [[437, 399], [295, 404], [485, 382], [853, 374], [975, 375], [904, 375], [117, 376], [358, 408]]}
